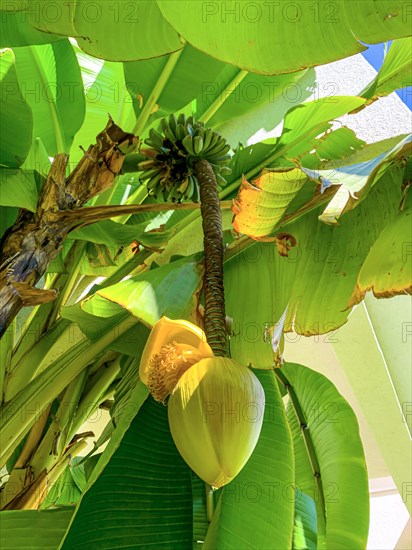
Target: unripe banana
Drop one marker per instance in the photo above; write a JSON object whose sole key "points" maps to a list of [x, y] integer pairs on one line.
{"points": [[225, 170], [181, 119], [174, 149], [223, 159], [172, 123], [220, 179], [197, 145], [180, 132], [169, 134], [218, 148], [156, 138], [154, 184], [155, 190], [149, 174], [190, 188], [207, 138], [188, 145], [200, 132], [151, 143], [213, 141], [166, 193], [174, 194], [196, 192], [164, 124]]}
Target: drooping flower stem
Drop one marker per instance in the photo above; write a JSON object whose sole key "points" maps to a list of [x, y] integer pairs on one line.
{"points": [[214, 319]]}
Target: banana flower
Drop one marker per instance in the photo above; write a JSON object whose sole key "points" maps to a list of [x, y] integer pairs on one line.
{"points": [[215, 404]]}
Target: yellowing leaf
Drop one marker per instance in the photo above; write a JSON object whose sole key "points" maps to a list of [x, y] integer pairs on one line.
{"points": [[260, 205]]}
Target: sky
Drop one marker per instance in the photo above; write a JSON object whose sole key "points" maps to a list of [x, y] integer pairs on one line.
{"points": [[374, 56]]}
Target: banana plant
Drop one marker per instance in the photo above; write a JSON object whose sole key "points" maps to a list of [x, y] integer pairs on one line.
{"points": [[150, 267]]}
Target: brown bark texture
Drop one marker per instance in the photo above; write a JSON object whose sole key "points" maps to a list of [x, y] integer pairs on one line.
{"points": [[214, 319]]}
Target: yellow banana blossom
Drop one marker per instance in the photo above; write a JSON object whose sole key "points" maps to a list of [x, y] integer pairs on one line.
{"points": [[216, 405]]}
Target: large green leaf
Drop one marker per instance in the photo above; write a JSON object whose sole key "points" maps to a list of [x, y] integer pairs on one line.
{"points": [[129, 392], [387, 270], [373, 349], [33, 354], [395, 73], [267, 115], [16, 123], [308, 128], [94, 326], [22, 187], [305, 480], [384, 318], [38, 160], [15, 30], [307, 484], [366, 152], [130, 395], [256, 295], [168, 290], [33, 530], [143, 496], [334, 431], [18, 188], [256, 509], [50, 80], [316, 279], [156, 84], [234, 100], [118, 31], [278, 38]]}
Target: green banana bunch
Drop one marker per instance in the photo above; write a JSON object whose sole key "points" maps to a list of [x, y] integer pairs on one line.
{"points": [[172, 153]]}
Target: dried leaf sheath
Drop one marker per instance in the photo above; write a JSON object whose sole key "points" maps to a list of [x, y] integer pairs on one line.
{"points": [[34, 240]]}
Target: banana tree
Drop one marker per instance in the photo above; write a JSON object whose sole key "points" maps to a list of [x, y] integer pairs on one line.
{"points": [[112, 227]]}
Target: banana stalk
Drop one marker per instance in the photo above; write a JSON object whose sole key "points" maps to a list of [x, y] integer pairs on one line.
{"points": [[215, 317]]}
